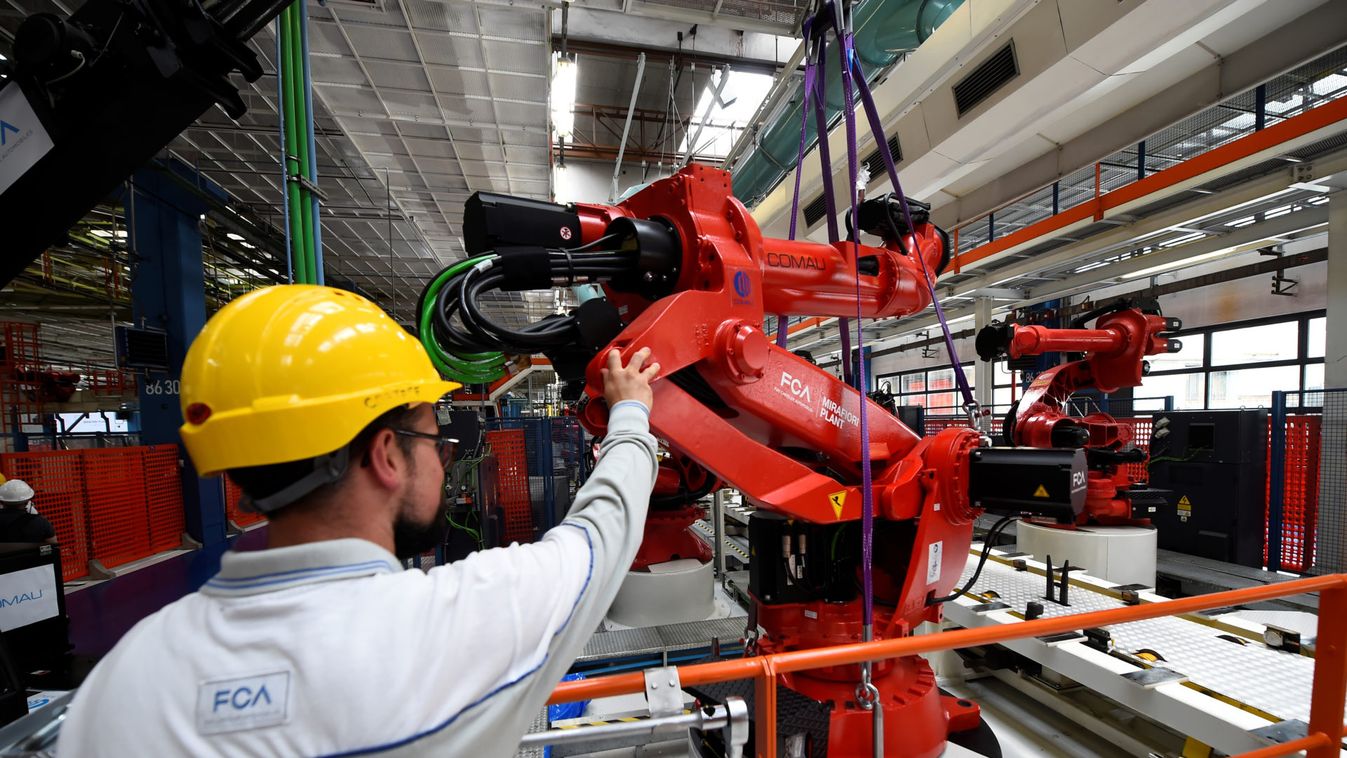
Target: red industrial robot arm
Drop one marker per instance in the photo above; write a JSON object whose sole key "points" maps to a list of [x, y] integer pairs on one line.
{"points": [[1114, 351], [784, 432]]}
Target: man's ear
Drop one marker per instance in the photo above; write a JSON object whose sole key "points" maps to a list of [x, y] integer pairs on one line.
{"points": [[387, 463]]}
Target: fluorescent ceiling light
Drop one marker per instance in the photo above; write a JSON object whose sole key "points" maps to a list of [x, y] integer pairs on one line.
{"points": [[250, 247], [235, 237], [1186, 262], [101, 233], [1311, 187], [565, 71]]}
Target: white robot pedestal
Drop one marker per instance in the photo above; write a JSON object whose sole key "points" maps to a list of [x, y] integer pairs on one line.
{"points": [[668, 593], [1120, 554]]}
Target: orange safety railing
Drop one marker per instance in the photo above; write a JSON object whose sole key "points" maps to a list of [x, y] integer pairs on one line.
{"points": [[1327, 696]]}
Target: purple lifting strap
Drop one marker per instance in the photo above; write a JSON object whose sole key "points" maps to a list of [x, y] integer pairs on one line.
{"points": [[877, 130]]}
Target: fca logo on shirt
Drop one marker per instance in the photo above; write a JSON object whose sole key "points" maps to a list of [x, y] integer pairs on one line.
{"points": [[5, 129], [242, 698]]}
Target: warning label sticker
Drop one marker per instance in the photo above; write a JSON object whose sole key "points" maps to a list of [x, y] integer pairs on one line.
{"points": [[1185, 508], [1041, 491], [838, 499]]}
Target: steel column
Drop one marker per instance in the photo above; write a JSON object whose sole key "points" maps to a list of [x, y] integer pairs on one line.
{"points": [[168, 292]]}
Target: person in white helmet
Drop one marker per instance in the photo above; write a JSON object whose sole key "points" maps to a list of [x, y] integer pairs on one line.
{"points": [[18, 521]]}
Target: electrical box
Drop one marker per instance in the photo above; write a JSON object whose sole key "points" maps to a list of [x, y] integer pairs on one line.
{"points": [[1214, 466]]}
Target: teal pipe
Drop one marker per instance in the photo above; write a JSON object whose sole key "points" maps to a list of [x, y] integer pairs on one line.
{"points": [[883, 29]]}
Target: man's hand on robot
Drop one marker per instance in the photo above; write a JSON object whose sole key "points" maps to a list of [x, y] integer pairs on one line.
{"points": [[630, 382]]}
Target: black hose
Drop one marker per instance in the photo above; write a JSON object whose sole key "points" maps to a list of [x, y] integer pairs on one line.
{"points": [[992, 534], [461, 325]]}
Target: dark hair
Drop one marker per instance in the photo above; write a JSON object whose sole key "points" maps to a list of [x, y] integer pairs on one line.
{"points": [[258, 482]]}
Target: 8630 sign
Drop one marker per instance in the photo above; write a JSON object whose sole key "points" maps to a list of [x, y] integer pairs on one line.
{"points": [[163, 387]]}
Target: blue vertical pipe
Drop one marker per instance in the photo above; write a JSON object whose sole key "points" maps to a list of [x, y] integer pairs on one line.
{"points": [[313, 152], [1276, 496], [285, 180]]}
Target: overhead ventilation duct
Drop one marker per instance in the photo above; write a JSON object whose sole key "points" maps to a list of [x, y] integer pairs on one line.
{"points": [[884, 30], [986, 79]]}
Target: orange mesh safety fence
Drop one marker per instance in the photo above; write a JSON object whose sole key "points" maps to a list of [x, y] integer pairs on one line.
{"points": [[119, 519], [113, 505], [1141, 438], [235, 514], [512, 484], [58, 479], [163, 495], [1300, 492]]}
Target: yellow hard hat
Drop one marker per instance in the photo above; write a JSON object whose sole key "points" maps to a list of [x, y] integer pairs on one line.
{"points": [[292, 372]]}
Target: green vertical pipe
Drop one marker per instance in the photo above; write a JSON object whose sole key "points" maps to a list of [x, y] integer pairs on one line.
{"points": [[286, 66], [296, 52]]}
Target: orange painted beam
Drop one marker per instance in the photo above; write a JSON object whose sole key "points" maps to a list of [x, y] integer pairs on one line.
{"points": [[1297, 126]]}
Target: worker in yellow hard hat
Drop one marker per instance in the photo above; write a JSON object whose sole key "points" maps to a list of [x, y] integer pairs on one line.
{"points": [[320, 407]]}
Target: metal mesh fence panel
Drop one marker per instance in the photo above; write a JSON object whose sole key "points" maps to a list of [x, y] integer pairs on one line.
{"points": [[235, 514], [1300, 490], [119, 522], [1138, 473], [58, 479], [1330, 549], [163, 497], [509, 449]]}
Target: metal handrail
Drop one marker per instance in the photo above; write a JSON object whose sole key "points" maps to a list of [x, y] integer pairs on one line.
{"points": [[1327, 696]]}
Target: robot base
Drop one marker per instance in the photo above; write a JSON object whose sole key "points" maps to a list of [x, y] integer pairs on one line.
{"points": [[917, 718], [1119, 554], [666, 593]]}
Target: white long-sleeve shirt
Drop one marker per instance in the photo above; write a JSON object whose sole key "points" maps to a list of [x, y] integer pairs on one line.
{"points": [[329, 648]]}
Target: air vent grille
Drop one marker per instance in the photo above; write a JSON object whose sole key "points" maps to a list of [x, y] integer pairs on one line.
{"points": [[815, 211], [986, 79], [874, 162]]}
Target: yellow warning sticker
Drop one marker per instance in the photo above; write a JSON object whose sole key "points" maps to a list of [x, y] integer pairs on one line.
{"points": [[838, 499], [1185, 508], [1041, 491]]}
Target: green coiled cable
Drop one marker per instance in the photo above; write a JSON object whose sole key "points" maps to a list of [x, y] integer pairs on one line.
{"points": [[469, 368]]}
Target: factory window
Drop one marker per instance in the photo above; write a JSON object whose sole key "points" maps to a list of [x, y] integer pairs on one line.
{"points": [[1255, 344], [1239, 365], [1314, 377], [1188, 390], [912, 383], [935, 390], [1250, 387], [1001, 398], [1187, 359], [1317, 339]]}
